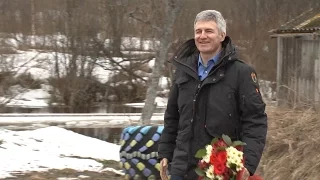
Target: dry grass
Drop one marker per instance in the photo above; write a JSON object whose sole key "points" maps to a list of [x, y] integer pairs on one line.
{"points": [[293, 145]]}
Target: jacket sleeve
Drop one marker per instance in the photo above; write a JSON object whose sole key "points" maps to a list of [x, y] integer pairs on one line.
{"points": [[167, 141], [253, 118]]}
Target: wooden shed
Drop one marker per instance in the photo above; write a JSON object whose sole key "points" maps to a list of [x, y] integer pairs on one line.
{"points": [[298, 60]]}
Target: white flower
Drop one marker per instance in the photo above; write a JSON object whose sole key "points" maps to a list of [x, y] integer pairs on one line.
{"points": [[206, 158], [209, 172], [234, 158], [209, 149], [219, 177]]}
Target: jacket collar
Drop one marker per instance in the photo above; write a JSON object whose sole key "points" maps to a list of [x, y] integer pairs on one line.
{"points": [[187, 55]]}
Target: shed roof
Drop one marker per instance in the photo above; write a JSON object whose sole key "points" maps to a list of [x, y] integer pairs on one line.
{"points": [[307, 22]]}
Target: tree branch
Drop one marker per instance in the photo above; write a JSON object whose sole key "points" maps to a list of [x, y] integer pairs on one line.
{"points": [[146, 22]]}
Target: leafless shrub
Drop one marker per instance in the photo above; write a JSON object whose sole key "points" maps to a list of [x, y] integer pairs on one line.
{"points": [[26, 80], [78, 94], [122, 86]]}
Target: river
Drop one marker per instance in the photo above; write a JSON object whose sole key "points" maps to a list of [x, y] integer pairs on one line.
{"points": [[109, 134]]}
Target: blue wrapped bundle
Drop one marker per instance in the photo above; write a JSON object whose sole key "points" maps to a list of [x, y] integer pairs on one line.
{"points": [[138, 152]]}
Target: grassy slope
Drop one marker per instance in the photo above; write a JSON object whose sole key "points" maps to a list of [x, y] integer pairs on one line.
{"points": [[293, 145]]}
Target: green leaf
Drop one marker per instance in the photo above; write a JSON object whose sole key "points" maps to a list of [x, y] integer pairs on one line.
{"points": [[200, 172], [227, 139], [200, 153], [238, 143], [221, 148], [206, 178], [214, 140]]}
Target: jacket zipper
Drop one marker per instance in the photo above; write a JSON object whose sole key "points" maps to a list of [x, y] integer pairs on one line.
{"points": [[195, 97], [199, 87]]}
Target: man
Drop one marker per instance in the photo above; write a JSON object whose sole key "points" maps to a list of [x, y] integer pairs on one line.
{"points": [[213, 93]]}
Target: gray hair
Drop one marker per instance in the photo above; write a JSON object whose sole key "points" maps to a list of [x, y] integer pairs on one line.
{"points": [[212, 15]]}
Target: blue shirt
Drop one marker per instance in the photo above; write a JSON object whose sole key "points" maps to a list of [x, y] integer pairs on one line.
{"points": [[203, 70]]}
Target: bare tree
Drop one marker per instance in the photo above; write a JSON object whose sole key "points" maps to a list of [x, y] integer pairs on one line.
{"points": [[116, 11], [172, 9]]}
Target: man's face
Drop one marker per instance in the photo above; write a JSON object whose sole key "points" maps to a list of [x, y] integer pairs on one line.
{"points": [[207, 37]]}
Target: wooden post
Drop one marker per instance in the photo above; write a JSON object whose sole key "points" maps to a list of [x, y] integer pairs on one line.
{"points": [[279, 67], [317, 83]]}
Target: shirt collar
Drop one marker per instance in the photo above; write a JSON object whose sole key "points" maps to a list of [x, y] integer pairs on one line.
{"points": [[213, 60]]}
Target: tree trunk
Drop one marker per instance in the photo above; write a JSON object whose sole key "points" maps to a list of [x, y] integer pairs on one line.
{"points": [[33, 26], [172, 10]]}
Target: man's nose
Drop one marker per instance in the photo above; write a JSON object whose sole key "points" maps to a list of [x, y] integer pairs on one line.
{"points": [[203, 35]]}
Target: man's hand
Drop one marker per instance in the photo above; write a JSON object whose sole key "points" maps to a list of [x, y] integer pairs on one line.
{"points": [[163, 169], [245, 174]]}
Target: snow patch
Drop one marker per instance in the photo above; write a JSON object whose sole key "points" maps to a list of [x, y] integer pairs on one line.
{"points": [[52, 148]]}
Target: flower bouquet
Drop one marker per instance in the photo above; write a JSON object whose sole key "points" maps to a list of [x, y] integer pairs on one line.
{"points": [[221, 160]]}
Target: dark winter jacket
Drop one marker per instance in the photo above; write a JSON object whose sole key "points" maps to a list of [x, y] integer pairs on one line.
{"points": [[227, 102]]}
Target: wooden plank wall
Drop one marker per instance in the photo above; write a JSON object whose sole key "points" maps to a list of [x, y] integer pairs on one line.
{"points": [[307, 77], [291, 63], [300, 71]]}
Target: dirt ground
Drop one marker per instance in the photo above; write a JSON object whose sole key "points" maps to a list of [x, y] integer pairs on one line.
{"points": [[67, 174], [70, 174]]}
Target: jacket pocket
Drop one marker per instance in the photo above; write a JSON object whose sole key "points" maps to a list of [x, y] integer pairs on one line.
{"points": [[185, 92], [183, 135], [253, 103], [181, 82]]}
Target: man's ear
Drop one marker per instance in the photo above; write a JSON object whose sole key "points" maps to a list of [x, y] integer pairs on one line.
{"points": [[222, 36]]}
